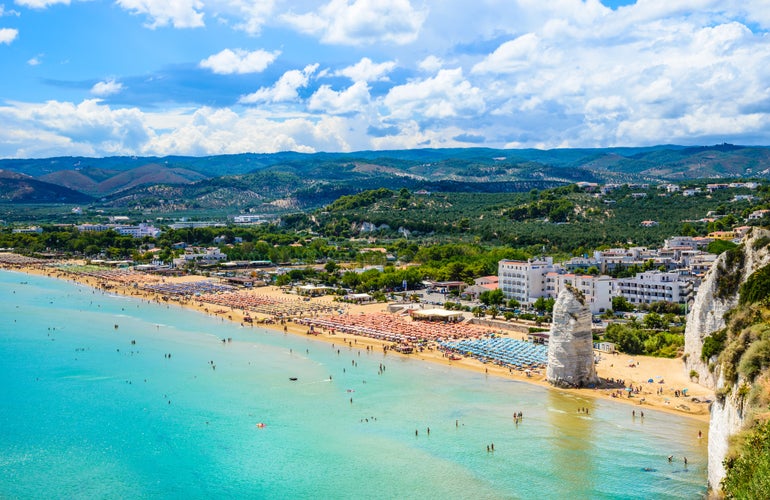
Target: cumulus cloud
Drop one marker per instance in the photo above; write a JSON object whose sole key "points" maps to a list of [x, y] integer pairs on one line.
{"points": [[360, 22], [88, 128], [239, 61], [178, 13], [92, 128], [514, 55], [35, 61], [446, 95], [285, 89], [353, 99], [106, 88], [431, 64], [7, 35], [367, 71]]}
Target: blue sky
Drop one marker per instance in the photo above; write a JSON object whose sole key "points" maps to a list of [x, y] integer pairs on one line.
{"points": [[199, 77]]}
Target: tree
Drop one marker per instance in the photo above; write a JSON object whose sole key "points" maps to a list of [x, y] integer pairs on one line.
{"points": [[653, 321], [620, 304], [492, 297], [543, 304], [493, 311]]}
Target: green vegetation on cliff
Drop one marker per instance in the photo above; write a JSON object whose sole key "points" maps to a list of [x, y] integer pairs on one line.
{"points": [[748, 469]]}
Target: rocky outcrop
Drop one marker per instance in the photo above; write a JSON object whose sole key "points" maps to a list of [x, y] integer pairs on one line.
{"points": [[717, 295], [570, 345], [707, 312]]}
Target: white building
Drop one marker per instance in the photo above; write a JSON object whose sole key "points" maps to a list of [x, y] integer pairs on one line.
{"points": [[28, 230], [210, 255], [597, 290], [654, 286], [94, 227], [758, 214], [620, 258], [139, 231], [524, 281]]}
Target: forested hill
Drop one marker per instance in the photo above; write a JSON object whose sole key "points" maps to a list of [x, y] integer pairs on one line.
{"points": [[312, 180], [666, 162]]}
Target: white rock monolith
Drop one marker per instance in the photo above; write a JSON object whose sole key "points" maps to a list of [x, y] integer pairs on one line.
{"points": [[570, 346]]}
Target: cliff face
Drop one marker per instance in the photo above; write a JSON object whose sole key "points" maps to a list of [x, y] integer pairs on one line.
{"points": [[717, 295], [707, 312], [727, 419], [570, 346]]}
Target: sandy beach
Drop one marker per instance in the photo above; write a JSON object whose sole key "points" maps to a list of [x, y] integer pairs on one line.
{"points": [[667, 375]]}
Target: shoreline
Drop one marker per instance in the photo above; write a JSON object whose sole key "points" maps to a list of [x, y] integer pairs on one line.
{"points": [[618, 366]]}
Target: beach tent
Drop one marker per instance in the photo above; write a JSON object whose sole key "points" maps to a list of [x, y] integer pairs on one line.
{"points": [[437, 314]]}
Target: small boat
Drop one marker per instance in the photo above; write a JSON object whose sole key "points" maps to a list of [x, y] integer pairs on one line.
{"points": [[293, 379]]}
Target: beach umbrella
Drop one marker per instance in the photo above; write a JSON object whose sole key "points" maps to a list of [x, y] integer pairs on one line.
{"points": [[628, 389], [650, 381]]}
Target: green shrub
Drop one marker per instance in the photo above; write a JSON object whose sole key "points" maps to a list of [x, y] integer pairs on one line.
{"points": [[756, 357], [748, 471], [756, 287], [713, 344]]}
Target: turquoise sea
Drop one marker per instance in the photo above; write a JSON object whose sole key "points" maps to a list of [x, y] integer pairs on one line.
{"points": [[89, 410]]}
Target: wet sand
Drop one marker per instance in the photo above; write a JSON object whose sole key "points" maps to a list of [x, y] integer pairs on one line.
{"points": [[635, 371]]}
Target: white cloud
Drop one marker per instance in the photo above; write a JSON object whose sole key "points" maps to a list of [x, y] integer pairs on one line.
{"points": [[178, 13], [285, 89], [40, 4], [431, 64], [7, 35], [106, 88], [11, 12], [446, 95], [251, 14], [512, 56], [239, 61], [353, 99], [35, 61], [358, 22], [88, 128], [367, 71]]}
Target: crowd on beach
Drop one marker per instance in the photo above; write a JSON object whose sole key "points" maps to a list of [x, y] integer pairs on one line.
{"points": [[391, 328], [277, 307]]}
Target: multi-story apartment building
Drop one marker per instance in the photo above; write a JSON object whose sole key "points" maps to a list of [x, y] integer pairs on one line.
{"points": [[655, 286], [524, 281], [597, 290]]}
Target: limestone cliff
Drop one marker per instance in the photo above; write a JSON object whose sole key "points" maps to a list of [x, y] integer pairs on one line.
{"points": [[727, 330], [718, 294], [570, 346]]}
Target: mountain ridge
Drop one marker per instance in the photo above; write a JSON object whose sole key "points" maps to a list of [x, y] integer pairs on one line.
{"points": [[309, 179]]}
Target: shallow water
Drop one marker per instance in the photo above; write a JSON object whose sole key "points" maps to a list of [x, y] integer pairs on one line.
{"points": [[87, 414]]}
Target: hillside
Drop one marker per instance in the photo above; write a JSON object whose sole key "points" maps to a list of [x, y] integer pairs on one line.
{"points": [[313, 180], [98, 182], [17, 188]]}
